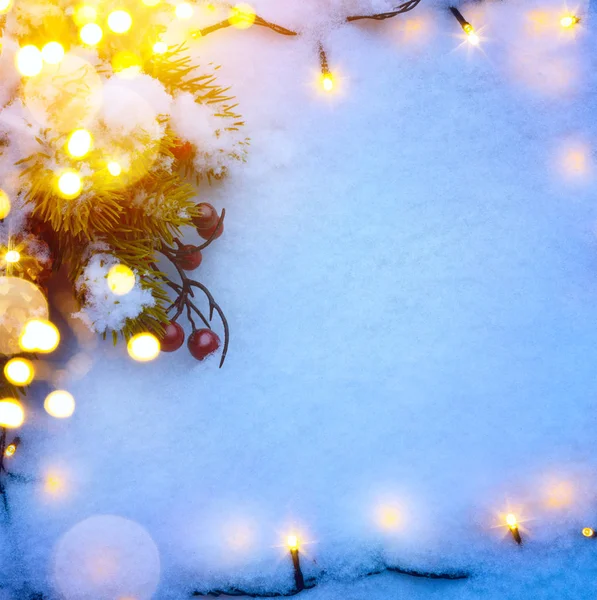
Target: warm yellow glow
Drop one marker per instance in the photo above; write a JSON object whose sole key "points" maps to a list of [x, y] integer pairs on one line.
{"points": [[91, 34], [327, 82], [292, 542], [388, 517], [85, 14], [10, 450], [511, 521], [119, 21], [588, 532], [69, 184], [242, 16], [12, 256], [184, 10], [52, 53], [19, 371], [125, 60], [29, 61], [39, 335], [54, 484], [121, 280], [79, 143], [569, 21], [114, 168], [4, 205], [473, 38], [160, 47], [5, 5], [59, 404], [151, 2], [11, 413], [143, 347]]}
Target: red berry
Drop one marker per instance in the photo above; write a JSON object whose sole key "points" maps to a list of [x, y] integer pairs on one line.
{"points": [[189, 257], [208, 216], [207, 233], [202, 343], [172, 338], [182, 150]]}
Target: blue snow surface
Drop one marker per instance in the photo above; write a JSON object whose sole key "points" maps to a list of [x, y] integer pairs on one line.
{"points": [[409, 269]]}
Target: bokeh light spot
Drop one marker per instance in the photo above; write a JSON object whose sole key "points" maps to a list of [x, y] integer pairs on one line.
{"points": [[19, 371], [12, 414], [121, 279], [59, 404], [143, 347]]}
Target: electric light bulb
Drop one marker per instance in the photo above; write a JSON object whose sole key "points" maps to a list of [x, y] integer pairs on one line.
{"points": [[143, 347], [588, 532], [29, 61], [292, 542], [12, 447], [473, 38], [69, 184], [569, 21], [119, 21], [327, 82], [114, 168], [11, 413], [5, 5], [121, 280], [19, 371], [91, 34], [242, 16], [12, 256], [4, 205], [184, 10], [511, 521], [39, 335], [59, 404], [79, 143], [160, 47], [52, 53]]}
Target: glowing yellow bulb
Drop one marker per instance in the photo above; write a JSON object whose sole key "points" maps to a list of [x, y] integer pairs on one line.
{"points": [[151, 2], [114, 168], [79, 143], [184, 10], [12, 256], [588, 532], [29, 61], [19, 371], [11, 449], [119, 21], [327, 82], [121, 280], [511, 521], [292, 542], [91, 34], [4, 205], [52, 53], [69, 184], [569, 21], [39, 335], [143, 347], [11, 413], [59, 404], [160, 47]]}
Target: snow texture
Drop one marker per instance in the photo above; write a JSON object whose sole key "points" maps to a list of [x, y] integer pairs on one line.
{"points": [[409, 273]]}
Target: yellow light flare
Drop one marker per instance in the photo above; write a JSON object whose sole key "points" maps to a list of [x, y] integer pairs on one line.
{"points": [[59, 404], [160, 47], [39, 335], [327, 82], [124, 60], [79, 143], [183, 10], [12, 256], [91, 34], [54, 484], [19, 371], [4, 205], [588, 532], [69, 184], [10, 450], [143, 347], [84, 14], [119, 21], [292, 542], [5, 6], [29, 61], [569, 21], [121, 280], [473, 38], [511, 521], [52, 53], [242, 16], [114, 168], [12, 414]]}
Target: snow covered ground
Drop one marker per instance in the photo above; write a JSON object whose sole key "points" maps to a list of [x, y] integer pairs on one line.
{"points": [[409, 270]]}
